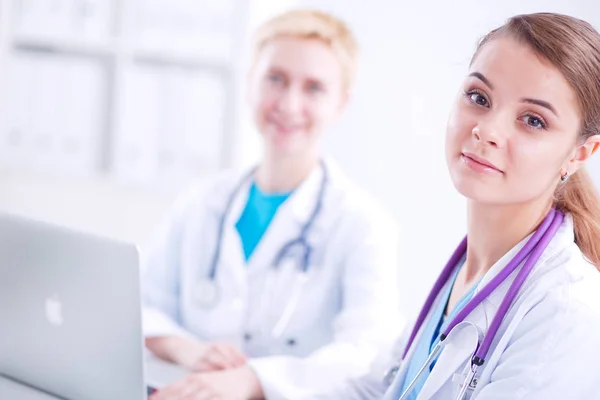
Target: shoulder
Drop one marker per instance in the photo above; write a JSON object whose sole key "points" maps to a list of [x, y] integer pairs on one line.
{"points": [[565, 277], [564, 302], [577, 288], [557, 336], [192, 204], [559, 305], [214, 190]]}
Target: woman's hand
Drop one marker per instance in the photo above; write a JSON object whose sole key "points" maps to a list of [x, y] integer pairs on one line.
{"points": [[233, 384], [217, 356], [195, 355]]}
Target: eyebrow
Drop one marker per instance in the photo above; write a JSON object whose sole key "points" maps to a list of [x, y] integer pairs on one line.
{"points": [[537, 102], [541, 103], [482, 78], [276, 70]]}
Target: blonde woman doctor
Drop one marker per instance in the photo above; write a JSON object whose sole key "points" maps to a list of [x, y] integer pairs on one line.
{"points": [[279, 281]]}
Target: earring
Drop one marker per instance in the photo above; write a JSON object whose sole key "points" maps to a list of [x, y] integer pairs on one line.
{"points": [[563, 178]]}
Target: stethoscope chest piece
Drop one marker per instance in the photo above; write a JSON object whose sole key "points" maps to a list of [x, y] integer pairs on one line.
{"points": [[206, 293]]}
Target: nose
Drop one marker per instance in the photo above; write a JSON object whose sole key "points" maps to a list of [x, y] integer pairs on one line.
{"points": [[290, 101], [489, 131]]}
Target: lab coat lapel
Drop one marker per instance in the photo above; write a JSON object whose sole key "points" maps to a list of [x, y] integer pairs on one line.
{"points": [[460, 348], [394, 390], [287, 223], [232, 260], [454, 356]]}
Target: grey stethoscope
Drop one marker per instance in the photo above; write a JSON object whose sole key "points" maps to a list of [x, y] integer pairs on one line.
{"points": [[532, 251], [207, 290]]}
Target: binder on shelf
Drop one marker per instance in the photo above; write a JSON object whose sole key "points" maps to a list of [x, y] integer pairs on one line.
{"points": [[66, 20], [55, 120], [79, 143], [137, 127]]}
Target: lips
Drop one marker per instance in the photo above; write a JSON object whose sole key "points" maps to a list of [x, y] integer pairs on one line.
{"points": [[479, 163], [285, 127]]}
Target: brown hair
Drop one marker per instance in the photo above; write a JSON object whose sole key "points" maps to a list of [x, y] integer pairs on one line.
{"points": [[313, 24], [573, 47]]}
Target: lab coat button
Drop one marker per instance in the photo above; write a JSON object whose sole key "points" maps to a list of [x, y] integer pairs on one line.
{"points": [[247, 337], [291, 342]]}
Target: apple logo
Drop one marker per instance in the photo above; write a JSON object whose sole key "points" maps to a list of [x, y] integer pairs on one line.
{"points": [[54, 311]]}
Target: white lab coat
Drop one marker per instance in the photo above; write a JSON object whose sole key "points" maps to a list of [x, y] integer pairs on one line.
{"points": [[548, 346], [348, 310]]}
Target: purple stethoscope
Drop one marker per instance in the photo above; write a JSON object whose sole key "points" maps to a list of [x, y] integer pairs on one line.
{"points": [[532, 251]]}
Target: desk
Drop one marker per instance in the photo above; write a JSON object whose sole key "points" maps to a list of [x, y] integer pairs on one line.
{"points": [[158, 374]]}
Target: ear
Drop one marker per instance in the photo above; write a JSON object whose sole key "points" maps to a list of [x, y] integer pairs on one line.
{"points": [[583, 153], [344, 100], [247, 87]]}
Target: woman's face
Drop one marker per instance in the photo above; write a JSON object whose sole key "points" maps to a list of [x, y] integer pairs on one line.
{"points": [[514, 127], [296, 91]]}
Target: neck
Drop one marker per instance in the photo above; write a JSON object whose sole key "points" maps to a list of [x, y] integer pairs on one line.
{"points": [[494, 230], [284, 174]]}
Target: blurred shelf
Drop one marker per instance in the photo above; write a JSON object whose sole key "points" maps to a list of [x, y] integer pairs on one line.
{"points": [[65, 46], [192, 59], [190, 40], [148, 54]]}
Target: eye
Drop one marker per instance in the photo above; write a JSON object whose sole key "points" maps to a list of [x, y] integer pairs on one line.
{"points": [[315, 87], [534, 121], [477, 98], [275, 78]]}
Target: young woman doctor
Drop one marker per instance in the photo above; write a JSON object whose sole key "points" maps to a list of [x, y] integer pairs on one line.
{"points": [[278, 281], [518, 305]]}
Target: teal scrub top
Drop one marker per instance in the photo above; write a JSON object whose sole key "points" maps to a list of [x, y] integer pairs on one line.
{"points": [[437, 324], [258, 213]]}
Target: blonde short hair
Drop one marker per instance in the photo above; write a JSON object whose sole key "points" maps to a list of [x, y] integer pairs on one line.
{"points": [[313, 24]]}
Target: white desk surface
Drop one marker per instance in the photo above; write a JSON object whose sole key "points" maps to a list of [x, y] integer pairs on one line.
{"points": [[158, 373]]}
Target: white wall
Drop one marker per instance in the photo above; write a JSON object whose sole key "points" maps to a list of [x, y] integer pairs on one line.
{"points": [[414, 56]]}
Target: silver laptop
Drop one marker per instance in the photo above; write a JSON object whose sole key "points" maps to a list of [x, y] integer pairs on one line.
{"points": [[70, 313]]}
